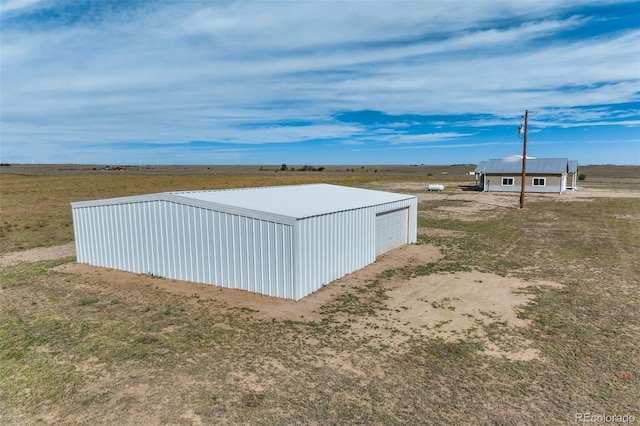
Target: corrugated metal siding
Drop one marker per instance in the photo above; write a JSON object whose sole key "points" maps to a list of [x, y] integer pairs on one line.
{"points": [[331, 246], [168, 238], [188, 243], [328, 247]]}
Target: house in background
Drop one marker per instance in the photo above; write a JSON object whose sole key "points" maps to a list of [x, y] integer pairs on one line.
{"points": [[551, 175]]}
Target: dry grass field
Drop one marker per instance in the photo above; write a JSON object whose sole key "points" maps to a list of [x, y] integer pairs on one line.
{"points": [[497, 316]]}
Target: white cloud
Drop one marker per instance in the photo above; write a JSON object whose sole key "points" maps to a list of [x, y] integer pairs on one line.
{"points": [[233, 71], [425, 137], [7, 6]]}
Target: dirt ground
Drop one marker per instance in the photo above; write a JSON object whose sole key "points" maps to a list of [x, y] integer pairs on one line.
{"points": [[449, 306], [267, 307], [38, 254], [471, 203]]}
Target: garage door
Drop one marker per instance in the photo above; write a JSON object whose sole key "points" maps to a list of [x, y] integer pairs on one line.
{"points": [[391, 230]]}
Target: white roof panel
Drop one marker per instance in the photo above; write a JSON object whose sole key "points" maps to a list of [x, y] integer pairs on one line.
{"points": [[296, 201]]}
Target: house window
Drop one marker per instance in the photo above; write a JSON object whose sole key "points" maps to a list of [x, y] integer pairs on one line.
{"points": [[539, 181], [507, 181]]}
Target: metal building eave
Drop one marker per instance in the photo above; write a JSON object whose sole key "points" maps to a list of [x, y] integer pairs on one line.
{"points": [[255, 209], [259, 214], [118, 200], [297, 201], [210, 205], [173, 198]]}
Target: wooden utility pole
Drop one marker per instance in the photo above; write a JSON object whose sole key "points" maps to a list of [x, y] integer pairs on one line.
{"points": [[524, 160]]}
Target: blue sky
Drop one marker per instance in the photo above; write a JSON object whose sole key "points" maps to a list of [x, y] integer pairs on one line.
{"points": [[318, 82]]}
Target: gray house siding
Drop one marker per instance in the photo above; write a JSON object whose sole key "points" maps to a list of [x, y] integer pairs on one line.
{"points": [[543, 175]]}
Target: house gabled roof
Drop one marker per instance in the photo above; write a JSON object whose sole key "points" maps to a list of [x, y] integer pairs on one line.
{"points": [[481, 166], [534, 166]]}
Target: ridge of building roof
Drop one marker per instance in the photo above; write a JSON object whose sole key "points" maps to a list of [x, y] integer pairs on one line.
{"points": [[296, 201], [534, 165], [277, 202]]}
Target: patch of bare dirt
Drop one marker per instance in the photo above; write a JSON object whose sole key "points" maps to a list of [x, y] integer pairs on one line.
{"points": [[450, 307], [465, 206], [475, 199], [470, 206], [456, 306], [267, 307], [441, 233], [580, 192], [38, 254]]}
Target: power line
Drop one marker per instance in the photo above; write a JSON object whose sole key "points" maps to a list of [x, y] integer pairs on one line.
{"points": [[507, 134]]}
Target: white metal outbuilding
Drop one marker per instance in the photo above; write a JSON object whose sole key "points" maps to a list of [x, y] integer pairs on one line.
{"points": [[285, 241]]}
